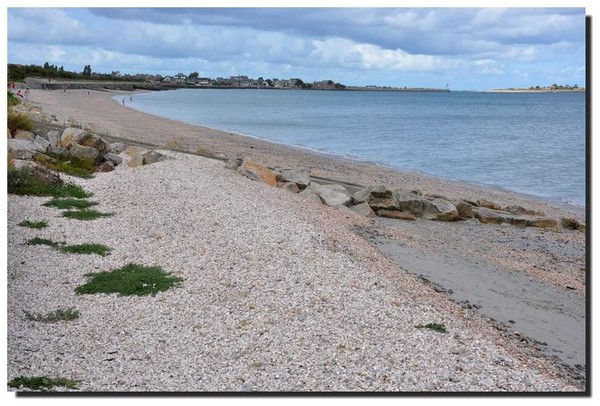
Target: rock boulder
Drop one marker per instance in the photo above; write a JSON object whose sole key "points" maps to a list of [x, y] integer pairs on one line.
{"points": [[300, 177], [440, 210], [258, 173]]}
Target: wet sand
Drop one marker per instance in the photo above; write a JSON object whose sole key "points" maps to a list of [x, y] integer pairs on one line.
{"points": [[538, 258]]}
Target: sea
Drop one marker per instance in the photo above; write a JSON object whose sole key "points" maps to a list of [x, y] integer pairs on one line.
{"points": [[529, 143]]}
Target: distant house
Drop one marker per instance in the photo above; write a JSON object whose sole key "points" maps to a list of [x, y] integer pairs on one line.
{"points": [[168, 79], [180, 78], [324, 84]]}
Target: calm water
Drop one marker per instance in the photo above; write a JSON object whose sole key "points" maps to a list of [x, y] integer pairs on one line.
{"points": [[528, 143]]}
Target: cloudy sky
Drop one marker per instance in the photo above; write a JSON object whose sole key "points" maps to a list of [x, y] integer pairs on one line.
{"points": [[467, 48]]}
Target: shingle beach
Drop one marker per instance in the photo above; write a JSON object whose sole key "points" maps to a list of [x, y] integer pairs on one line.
{"points": [[278, 293]]}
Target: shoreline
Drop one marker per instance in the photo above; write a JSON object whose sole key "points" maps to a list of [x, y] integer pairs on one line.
{"points": [[195, 137], [350, 263]]}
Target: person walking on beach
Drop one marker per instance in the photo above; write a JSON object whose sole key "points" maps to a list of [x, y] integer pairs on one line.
{"points": [[130, 98], [123, 101]]}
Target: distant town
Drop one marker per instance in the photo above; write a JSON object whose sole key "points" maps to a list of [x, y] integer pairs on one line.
{"points": [[18, 73]]}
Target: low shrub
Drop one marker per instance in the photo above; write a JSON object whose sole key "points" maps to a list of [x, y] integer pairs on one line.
{"points": [[440, 328], [33, 224], [69, 203], [42, 382], [37, 182], [19, 121], [60, 314], [70, 165], [132, 279], [85, 214], [85, 248]]}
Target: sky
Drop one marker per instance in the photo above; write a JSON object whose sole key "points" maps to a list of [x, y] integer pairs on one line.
{"points": [[464, 48]]}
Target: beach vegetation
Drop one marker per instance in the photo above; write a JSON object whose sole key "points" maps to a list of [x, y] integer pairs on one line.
{"points": [[85, 214], [34, 224], [86, 248], [19, 121], [42, 383], [11, 99], [59, 314], [69, 203], [70, 165], [27, 181], [131, 279], [440, 328]]}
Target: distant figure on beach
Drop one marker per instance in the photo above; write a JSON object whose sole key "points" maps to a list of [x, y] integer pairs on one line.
{"points": [[19, 94], [88, 92], [123, 101], [130, 98]]}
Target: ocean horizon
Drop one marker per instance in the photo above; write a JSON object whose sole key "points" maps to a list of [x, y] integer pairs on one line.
{"points": [[528, 143]]}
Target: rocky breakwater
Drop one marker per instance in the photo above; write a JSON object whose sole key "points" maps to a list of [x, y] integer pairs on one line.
{"points": [[381, 201], [52, 147]]}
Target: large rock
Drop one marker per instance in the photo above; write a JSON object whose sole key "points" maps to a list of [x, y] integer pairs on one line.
{"points": [[409, 202], [92, 141], [572, 224], [41, 144], [83, 152], [135, 161], [53, 138], [21, 149], [106, 166], [465, 209], [489, 216], [57, 150], [368, 193], [24, 135], [487, 204], [515, 209], [114, 158], [440, 210], [334, 194], [134, 150], [117, 147], [69, 136], [310, 193], [543, 223], [363, 209], [396, 214], [233, 163], [300, 177], [151, 157], [258, 173], [290, 187]]}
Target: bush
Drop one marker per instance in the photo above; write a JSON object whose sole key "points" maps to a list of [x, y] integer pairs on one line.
{"points": [[85, 214], [42, 382], [33, 224], [37, 182], [70, 165], [68, 203], [11, 99], [19, 121]]}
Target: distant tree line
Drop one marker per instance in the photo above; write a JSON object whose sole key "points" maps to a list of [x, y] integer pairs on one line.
{"points": [[16, 73]]}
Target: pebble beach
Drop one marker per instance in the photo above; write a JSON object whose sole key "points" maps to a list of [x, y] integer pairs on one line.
{"points": [[278, 293]]}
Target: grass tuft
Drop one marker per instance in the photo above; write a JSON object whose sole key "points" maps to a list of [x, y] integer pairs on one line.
{"points": [[71, 165], [19, 121], [43, 241], [85, 214], [99, 249], [58, 315], [42, 382], [26, 181], [440, 328], [69, 203], [34, 224], [129, 280]]}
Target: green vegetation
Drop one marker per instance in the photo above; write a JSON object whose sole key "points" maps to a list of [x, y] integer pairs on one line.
{"points": [[99, 249], [34, 224], [11, 99], [70, 165], [85, 248], [440, 328], [27, 181], [67, 314], [85, 214], [18, 121], [129, 280], [69, 203], [42, 382]]}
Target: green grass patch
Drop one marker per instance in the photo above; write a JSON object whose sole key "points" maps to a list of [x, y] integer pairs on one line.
{"points": [[58, 315], [19, 121], [26, 181], [71, 165], [99, 249], [69, 203], [86, 248], [42, 382], [440, 328], [85, 214], [11, 99], [129, 280], [33, 224]]}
